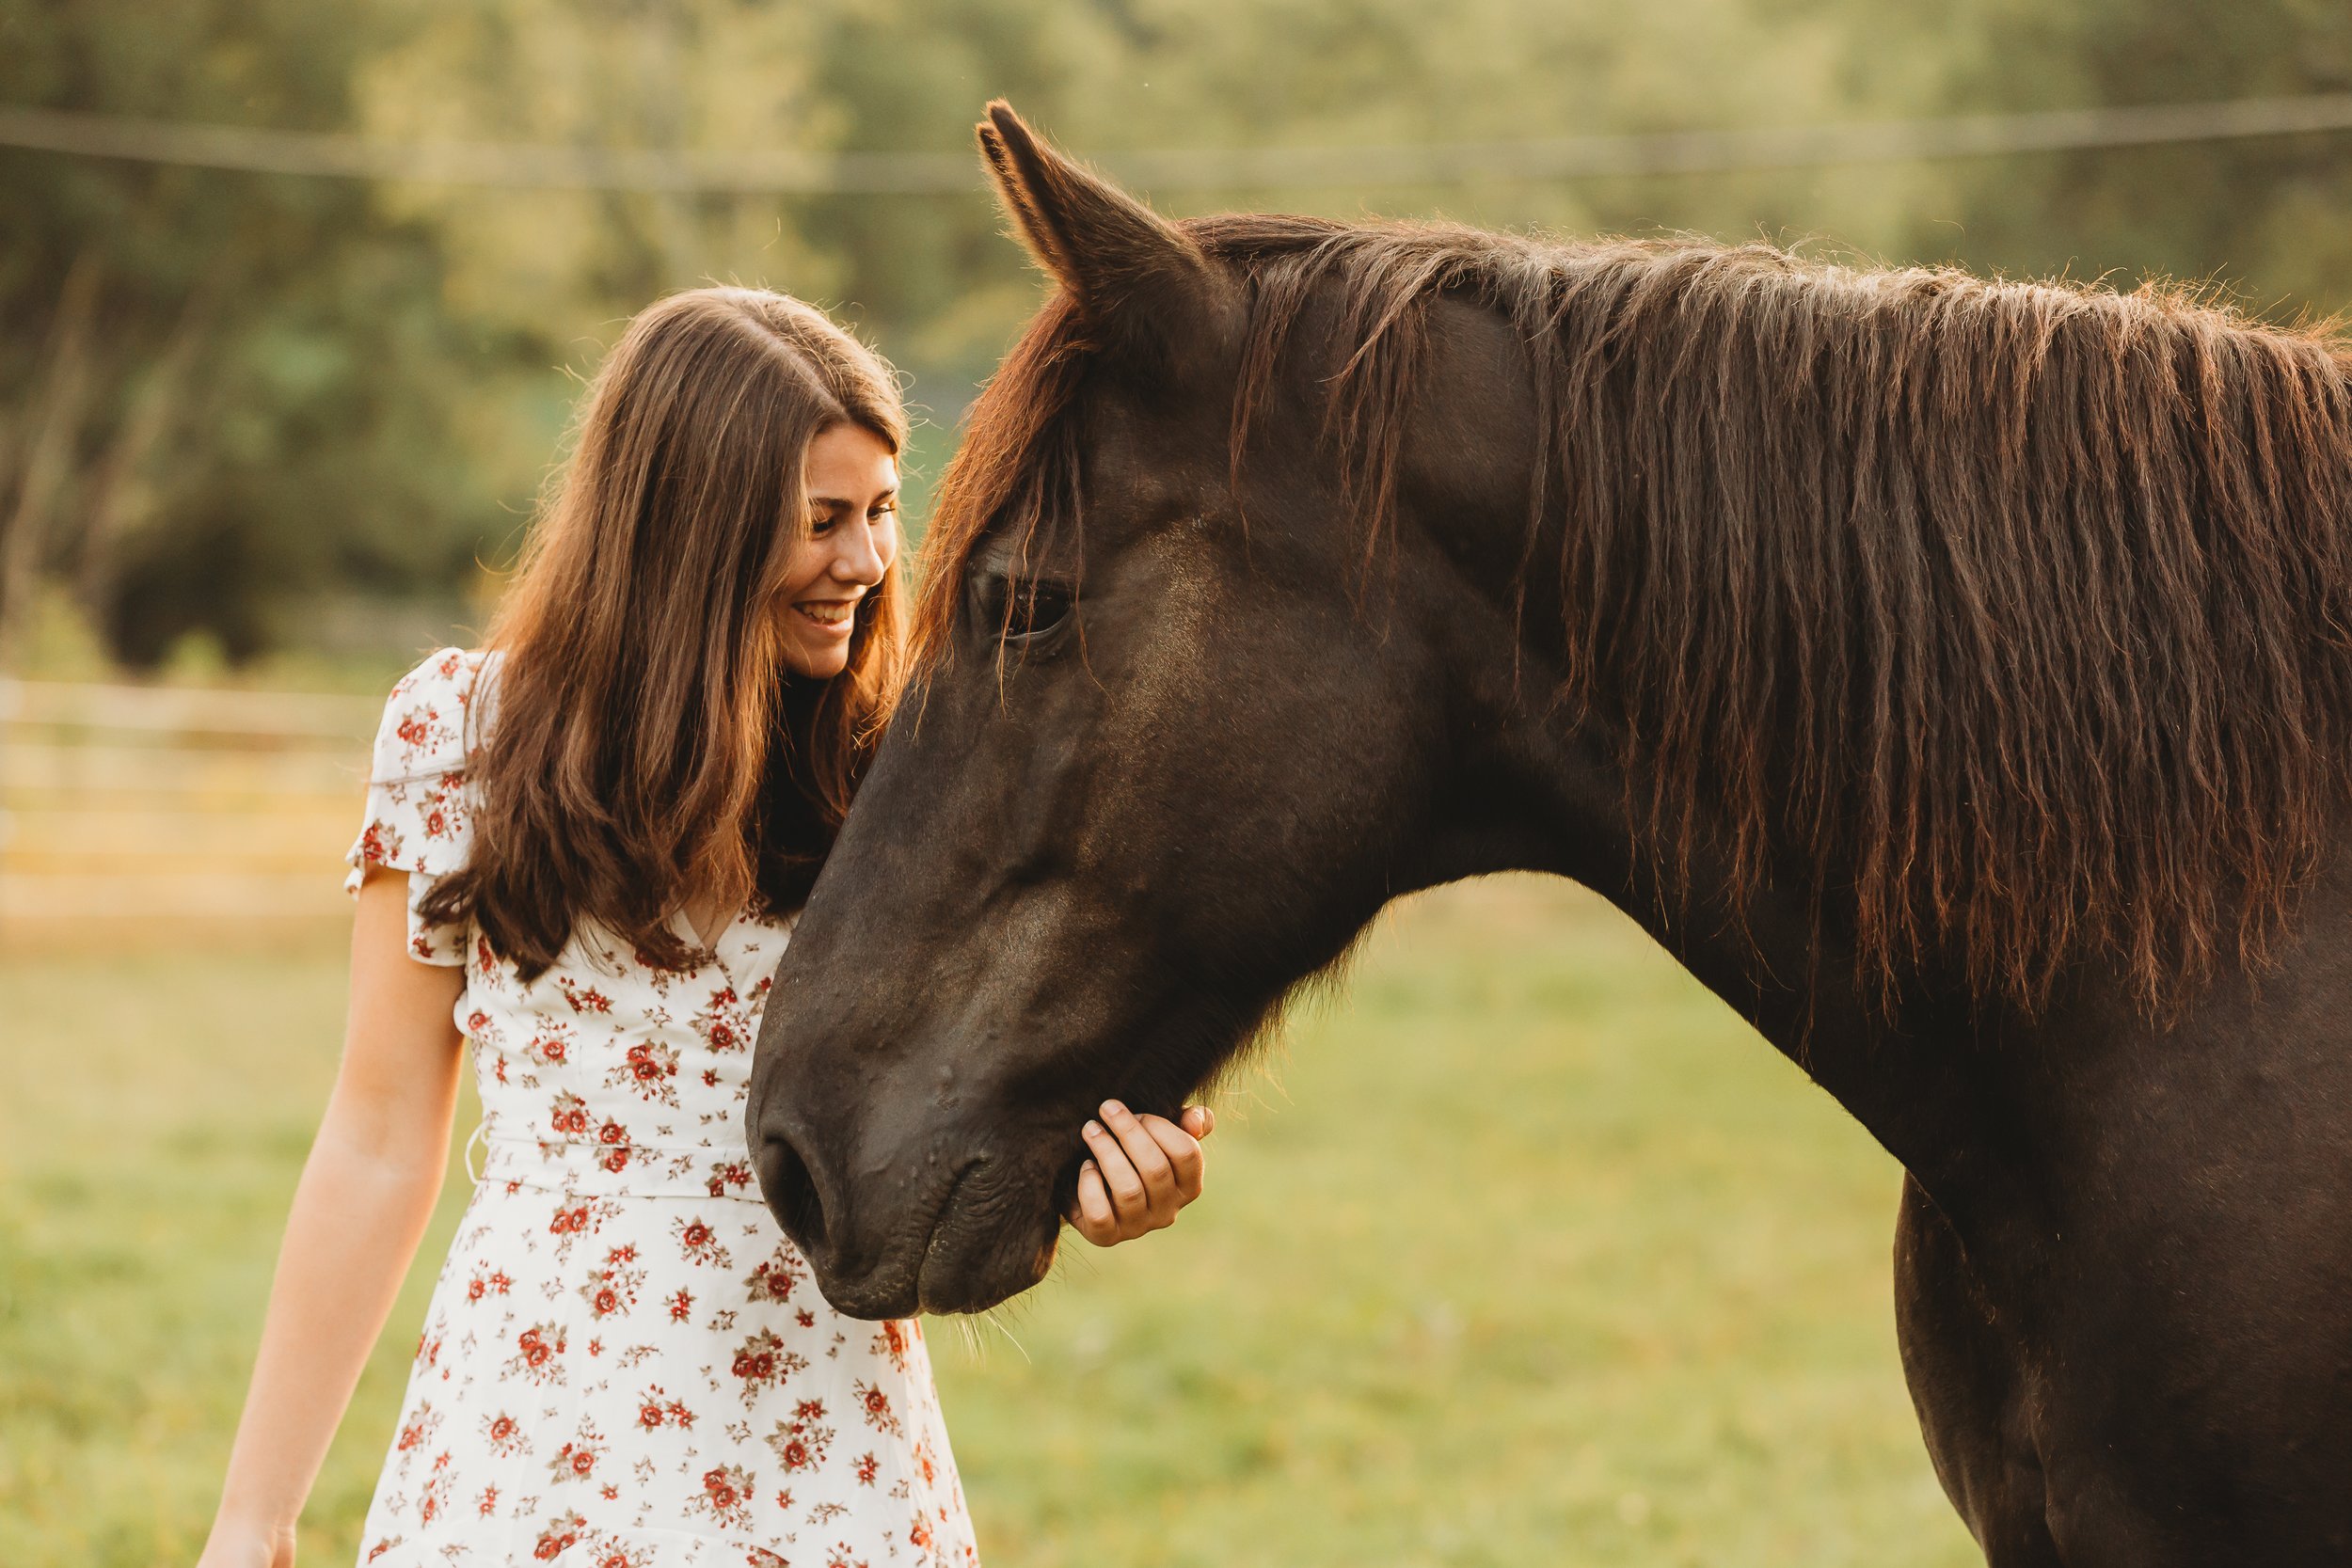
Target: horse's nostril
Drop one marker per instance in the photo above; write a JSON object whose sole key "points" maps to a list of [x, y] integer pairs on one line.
{"points": [[793, 1191]]}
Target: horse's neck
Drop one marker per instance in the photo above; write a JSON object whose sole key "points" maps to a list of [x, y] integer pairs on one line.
{"points": [[1909, 1072]]}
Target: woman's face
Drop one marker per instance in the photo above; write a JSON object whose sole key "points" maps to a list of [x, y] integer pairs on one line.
{"points": [[851, 478]]}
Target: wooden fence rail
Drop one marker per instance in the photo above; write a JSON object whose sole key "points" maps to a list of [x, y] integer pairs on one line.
{"points": [[166, 805]]}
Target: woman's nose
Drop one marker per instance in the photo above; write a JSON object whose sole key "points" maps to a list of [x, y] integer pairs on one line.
{"points": [[858, 559]]}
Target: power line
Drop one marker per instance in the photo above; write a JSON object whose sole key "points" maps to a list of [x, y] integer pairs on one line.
{"points": [[791, 172]]}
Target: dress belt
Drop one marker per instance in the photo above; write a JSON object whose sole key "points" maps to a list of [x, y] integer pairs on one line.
{"points": [[613, 1169]]}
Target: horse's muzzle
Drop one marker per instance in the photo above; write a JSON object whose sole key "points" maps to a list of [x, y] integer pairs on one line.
{"points": [[943, 1238]]}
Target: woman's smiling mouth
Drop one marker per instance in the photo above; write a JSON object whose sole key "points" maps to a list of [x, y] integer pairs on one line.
{"points": [[831, 614]]}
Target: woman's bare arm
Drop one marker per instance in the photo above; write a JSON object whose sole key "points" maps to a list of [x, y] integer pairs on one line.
{"points": [[366, 1192]]}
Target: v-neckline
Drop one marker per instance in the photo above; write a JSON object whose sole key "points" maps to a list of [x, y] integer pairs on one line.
{"points": [[710, 943], [715, 952], [684, 928]]}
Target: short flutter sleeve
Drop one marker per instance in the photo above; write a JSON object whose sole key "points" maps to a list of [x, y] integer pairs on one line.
{"points": [[420, 811]]}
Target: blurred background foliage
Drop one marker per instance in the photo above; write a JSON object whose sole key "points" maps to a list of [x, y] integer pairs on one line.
{"points": [[247, 417]]}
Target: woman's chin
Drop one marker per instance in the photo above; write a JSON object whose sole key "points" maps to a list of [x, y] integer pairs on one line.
{"points": [[820, 662]]}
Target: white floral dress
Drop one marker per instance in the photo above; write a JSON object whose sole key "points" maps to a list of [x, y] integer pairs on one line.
{"points": [[625, 1364]]}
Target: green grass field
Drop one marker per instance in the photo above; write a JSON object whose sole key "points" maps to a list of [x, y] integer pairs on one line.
{"points": [[1522, 1251]]}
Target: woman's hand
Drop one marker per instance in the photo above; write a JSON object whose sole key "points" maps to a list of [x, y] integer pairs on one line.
{"points": [[1144, 1170], [237, 1543]]}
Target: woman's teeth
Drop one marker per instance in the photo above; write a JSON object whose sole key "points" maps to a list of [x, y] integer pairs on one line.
{"points": [[828, 612]]}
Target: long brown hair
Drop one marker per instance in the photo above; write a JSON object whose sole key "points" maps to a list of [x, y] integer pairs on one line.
{"points": [[648, 741], [2011, 619]]}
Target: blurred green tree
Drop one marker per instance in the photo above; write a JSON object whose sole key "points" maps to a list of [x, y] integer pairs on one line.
{"points": [[211, 408], [2269, 219], [229, 399]]}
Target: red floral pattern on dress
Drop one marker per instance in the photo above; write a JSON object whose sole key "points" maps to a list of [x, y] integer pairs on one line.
{"points": [[875, 1404], [576, 1459], [727, 1495], [698, 1242], [538, 1356], [568, 1116], [612, 1290], [622, 1347], [584, 999], [549, 1047], [773, 1279], [802, 1441], [505, 1435], [560, 1535], [722, 1023], [762, 1362], [649, 1067]]}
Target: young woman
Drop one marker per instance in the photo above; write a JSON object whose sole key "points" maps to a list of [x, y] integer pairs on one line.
{"points": [[583, 854]]}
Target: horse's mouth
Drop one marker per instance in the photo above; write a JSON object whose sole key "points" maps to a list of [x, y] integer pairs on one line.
{"points": [[976, 1254], [969, 1255], [926, 1264]]}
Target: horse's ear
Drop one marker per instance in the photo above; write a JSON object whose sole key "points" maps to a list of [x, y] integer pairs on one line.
{"points": [[1140, 282]]}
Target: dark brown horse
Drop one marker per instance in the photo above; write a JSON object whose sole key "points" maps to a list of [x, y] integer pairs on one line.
{"points": [[1955, 675]]}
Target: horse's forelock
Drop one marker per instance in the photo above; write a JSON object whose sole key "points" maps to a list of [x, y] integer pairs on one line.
{"points": [[1011, 467], [1015, 466]]}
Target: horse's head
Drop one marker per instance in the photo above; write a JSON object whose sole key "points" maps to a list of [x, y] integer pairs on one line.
{"points": [[1174, 739]]}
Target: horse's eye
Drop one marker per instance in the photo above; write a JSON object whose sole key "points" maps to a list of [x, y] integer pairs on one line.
{"points": [[1020, 612], [1038, 610]]}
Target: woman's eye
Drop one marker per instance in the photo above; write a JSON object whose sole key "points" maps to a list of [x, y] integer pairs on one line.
{"points": [[821, 526]]}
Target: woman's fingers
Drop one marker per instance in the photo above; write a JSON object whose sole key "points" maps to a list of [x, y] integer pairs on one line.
{"points": [[1130, 1199], [1183, 1152], [1143, 1150], [1093, 1217], [1144, 1170], [1160, 1196]]}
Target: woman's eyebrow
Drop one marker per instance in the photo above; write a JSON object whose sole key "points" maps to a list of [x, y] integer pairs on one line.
{"points": [[844, 500]]}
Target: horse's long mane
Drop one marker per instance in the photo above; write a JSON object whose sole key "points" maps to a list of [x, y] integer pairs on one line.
{"points": [[2011, 619]]}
